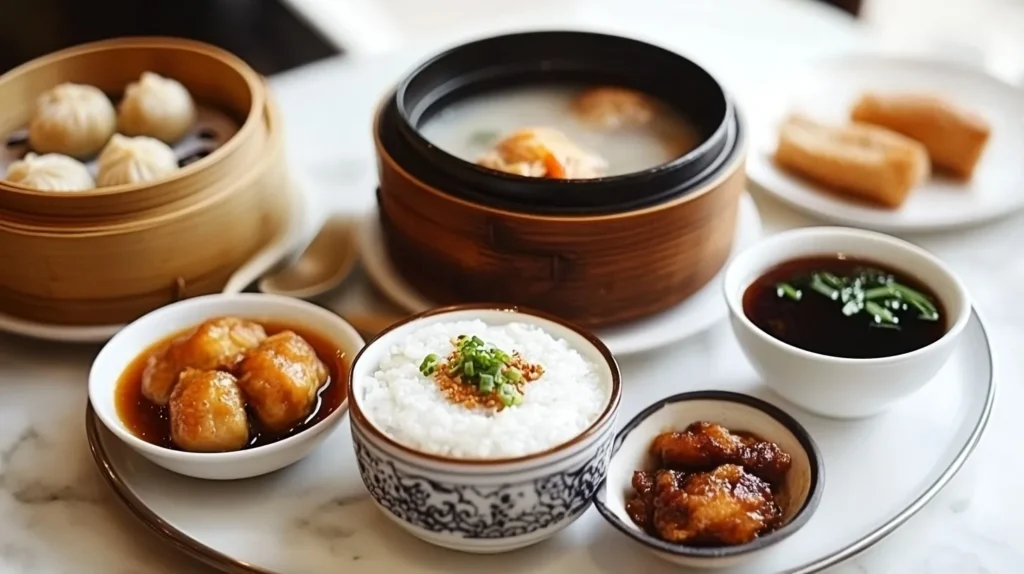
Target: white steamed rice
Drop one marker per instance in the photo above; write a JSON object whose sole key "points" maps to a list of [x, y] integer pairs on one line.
{"points": [[410, 408]]}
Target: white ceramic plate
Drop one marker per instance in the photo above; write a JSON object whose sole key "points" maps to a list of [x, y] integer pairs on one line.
{"points": [[696, 314], [827, 90], [288, 240], [315, 517]]}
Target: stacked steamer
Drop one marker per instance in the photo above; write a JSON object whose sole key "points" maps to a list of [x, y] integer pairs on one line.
{"points": [[601, 183], [137, 171]]}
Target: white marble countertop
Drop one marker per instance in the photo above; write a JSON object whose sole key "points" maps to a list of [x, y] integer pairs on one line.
{"points": [[57, 516]]}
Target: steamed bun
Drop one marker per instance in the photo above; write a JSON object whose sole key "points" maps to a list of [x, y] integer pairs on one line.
{"points": [[158, 107], [72, 119], [135, 160], [50, 172]]}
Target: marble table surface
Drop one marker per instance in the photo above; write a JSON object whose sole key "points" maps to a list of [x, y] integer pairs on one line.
{"points": [[56, 516]]}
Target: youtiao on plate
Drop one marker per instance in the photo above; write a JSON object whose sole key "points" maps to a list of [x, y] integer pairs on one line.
{"points": [[866, 161], [954, 137]]}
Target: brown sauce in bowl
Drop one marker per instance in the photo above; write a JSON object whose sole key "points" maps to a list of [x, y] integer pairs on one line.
{"points": [[151, 422], [845, 307]]}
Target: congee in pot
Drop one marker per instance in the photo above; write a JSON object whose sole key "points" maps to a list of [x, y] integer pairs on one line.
{"points": [[563, 131]]}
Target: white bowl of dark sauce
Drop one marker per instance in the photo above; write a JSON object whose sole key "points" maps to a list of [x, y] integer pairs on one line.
{"points": [[250, 404], [844, 322]]}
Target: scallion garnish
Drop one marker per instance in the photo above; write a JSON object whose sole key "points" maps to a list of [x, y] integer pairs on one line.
{"points": [[881, 314], [494, 377], [787, 290], [429, 364], [819, 285], [831, 280], [870, 291]]}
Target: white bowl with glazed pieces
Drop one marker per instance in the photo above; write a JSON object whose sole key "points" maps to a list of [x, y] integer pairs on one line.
{"points": [[798, 494], [840, 387], [522, 473], [140, 335]]}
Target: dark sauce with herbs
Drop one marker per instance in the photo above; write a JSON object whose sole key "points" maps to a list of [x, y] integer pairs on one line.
{"points": [[151, 422], [845, 307]]}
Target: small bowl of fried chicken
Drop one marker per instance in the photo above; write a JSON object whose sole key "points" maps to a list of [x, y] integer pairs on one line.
{"points": [[710, 479]]}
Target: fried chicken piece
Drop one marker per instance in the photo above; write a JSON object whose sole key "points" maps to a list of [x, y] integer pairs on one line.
{"points": [[215, 344], [704, 446], [726, 506], [641, 507]]}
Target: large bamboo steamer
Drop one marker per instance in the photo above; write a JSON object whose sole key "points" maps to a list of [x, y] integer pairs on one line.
{"points": [[596, 251], [112, 254], [596, 270]]}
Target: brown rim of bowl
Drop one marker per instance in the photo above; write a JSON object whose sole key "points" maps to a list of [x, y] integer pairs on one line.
{"points": [[256, 84], [613, 400], [738, 162]]}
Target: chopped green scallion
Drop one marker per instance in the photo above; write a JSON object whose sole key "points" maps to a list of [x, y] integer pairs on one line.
{"points": [[882, 315], [429, 364], [819, 285], [787, 290]]}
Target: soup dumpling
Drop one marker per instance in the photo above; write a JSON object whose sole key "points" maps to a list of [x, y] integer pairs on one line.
{"points": [[216, 344], [158, 107], [207, 412], [50, 172], [543, 152], [280, 379], [72, 119], [135, 160], [611, 107]]}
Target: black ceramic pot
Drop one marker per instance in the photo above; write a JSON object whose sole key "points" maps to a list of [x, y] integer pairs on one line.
{"points": [[559, 58]]}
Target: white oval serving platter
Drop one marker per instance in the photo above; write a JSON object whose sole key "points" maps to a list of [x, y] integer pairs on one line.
{"points": [[827, 89], [315, 517], [290, 239], [695, 315]]}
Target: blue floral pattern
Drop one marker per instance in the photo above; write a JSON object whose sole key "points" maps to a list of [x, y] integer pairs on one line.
{"points": [[477, 512]]}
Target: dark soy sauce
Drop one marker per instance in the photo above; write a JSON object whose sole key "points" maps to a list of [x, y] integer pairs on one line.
{"points": [[845, 307], [151, 422]]}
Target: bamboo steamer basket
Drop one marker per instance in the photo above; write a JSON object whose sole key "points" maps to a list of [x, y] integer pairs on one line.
{"points": [[109, 255], [595, 271], [597, 252]]}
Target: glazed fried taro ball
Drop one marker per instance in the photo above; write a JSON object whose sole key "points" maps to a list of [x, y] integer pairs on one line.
{"points": [[216, 344], [207, 412], [280, 379], [704, 446]]}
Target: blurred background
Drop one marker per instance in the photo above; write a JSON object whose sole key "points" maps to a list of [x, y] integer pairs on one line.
{"points": [[269, 34], [278, 35]]}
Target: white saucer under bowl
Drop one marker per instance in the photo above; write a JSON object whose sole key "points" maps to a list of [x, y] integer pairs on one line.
{"points": [[699, 312], [827, 89]]}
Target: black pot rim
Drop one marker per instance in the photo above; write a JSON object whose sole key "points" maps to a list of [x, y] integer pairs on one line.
{"points": [[407, 123], [706, 159]]}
